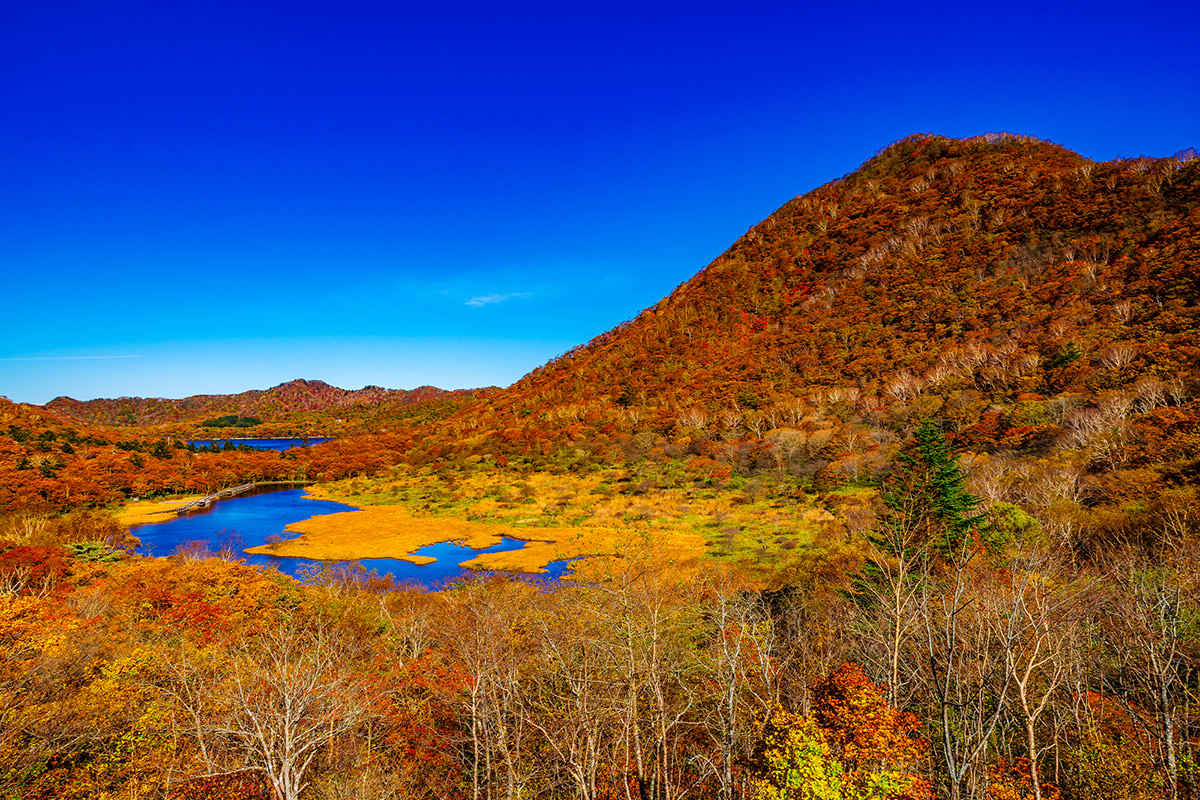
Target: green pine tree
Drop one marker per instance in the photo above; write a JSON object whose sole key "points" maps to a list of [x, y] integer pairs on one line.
{"points": [[927, 513], [947, 510]]}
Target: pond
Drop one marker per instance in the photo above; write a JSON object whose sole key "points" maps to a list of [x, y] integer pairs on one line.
{"points": [[264, 444], [247, 521]]}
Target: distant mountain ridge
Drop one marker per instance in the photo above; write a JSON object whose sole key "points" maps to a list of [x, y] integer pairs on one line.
{"points": [[290, 398]]}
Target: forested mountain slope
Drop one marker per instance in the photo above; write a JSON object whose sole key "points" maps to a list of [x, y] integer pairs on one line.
{"points": [[287, 401], [1035, 303], [71, 454], [939, 265]]}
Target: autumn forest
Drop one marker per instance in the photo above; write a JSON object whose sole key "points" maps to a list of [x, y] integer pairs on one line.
{"points": [[896, 498]]}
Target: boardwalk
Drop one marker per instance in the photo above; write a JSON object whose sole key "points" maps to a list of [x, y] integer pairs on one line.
{"points": [[233, 491]]}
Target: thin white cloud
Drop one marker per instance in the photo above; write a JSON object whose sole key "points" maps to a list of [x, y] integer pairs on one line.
{"points": [[488, 299], [58, 358]]}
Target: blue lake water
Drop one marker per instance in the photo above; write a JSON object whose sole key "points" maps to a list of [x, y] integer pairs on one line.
{"points": [[247, 521], [264, 444]]}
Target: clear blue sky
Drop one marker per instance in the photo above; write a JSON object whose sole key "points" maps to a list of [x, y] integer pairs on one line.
{"points": [[220, 196]]}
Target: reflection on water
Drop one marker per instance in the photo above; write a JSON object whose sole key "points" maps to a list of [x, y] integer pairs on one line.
{"points": [[248, 520]]}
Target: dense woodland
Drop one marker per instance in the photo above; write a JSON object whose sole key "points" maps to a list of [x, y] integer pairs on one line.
{"points": [[979, 359]]}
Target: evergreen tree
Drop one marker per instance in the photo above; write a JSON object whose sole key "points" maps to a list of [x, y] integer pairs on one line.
{"points": [[927, 493], [927, 517]]}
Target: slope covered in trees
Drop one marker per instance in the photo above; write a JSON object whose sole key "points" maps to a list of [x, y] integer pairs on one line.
{"points": [[1040, 306], [298, 401], [51, 464], [1000, 265]]}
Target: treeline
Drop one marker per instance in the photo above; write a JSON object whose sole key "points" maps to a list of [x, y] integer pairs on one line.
{"points": [[292, 408], [48, 467], [231, 421]]}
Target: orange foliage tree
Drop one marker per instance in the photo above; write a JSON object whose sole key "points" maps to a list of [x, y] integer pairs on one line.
{"points": [[854, 745]]}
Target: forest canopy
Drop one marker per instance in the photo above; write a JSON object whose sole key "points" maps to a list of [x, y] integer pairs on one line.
{"points": [[231, 421]]}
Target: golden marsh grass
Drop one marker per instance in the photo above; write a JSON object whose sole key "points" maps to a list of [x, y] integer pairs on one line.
{"points": [[392, 532], [142, 512]]}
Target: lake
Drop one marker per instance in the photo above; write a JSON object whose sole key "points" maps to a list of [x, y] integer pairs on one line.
{"points": [[247, 521], [265, 444]]}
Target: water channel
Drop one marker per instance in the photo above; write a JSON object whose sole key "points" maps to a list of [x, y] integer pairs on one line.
{"points": [[247, 520], [264, 444]]}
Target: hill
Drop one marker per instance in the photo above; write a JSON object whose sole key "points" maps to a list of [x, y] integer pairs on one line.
{"points": [[1040, 306], [71, 454], [943, 278], [285, 403], [938, 265]]}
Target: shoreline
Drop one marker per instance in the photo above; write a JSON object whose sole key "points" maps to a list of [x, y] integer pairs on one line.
{"points": [[234, 491], [262, 438], [150, 512]]}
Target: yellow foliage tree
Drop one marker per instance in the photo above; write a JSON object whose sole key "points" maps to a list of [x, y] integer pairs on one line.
{"points": [[794, 762]]}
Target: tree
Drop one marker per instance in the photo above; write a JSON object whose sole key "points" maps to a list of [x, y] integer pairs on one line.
{"points": [[854, 745], [289, 692], [742, 664], [655, 620], [927, 516], [970, 629], [794, 762], [929, 539], [876, 742], [482, 633], [1153, 626], [572, 693], [944, 510], [1047, 610]]}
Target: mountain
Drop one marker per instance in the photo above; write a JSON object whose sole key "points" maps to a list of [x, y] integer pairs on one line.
{"points": [[998, 266], [71, 454], [279, 403], [1044, 309]]}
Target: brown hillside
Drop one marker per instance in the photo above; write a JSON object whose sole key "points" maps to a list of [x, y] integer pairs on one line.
{"points": [[280, 403], [938, 266]]}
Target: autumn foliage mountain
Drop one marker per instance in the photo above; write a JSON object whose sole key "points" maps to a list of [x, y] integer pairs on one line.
{"points": [[1034, 302], [1040, 306], [283, 403], [84, 455], [972, 270], [998, 265], [960, 274]]}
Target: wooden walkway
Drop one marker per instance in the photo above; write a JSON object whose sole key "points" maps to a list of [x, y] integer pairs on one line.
{"points": [[233, 491]]}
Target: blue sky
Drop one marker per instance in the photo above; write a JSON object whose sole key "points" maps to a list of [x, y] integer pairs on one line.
{"points": [[220, 196]]}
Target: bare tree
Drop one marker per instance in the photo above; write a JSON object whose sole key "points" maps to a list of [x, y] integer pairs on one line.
{"points": [[410, 618], [743, 662], [890, 592], [572, 693], [1152, 625], [290, 691], [479, 631], [968, 632], [1046, 610], [654, 620]]}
